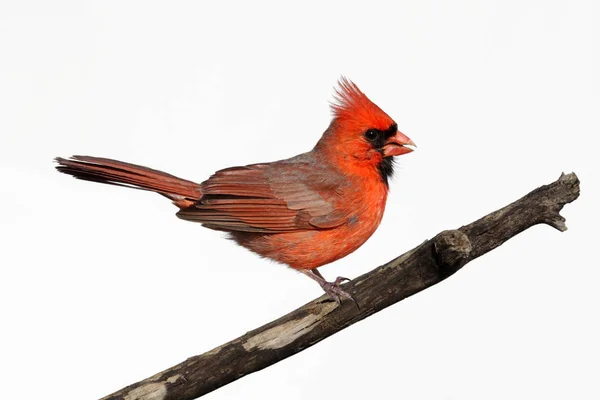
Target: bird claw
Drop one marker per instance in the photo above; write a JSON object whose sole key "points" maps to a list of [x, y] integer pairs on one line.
{"points": [[334, 290], [339, 280]]}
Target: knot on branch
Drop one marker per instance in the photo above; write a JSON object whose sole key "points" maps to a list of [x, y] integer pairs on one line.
{"points": [[566, 190], [452, 249]]}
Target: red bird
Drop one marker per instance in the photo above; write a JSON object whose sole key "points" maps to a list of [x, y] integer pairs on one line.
{"points": [[306, 211]]}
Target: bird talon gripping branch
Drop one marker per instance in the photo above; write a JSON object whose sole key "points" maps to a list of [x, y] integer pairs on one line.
{"points": [[334, 290], [305, 211]]}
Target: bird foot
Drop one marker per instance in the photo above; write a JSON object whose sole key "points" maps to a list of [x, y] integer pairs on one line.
{"points": [[334, 290]]}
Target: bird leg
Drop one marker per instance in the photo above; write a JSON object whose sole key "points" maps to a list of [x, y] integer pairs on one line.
{"points": [[333, 289]]}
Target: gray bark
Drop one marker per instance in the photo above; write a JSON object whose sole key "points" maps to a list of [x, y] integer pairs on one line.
{"points": [[424, 266]]}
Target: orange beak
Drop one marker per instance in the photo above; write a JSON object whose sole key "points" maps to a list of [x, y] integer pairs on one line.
{"points": [[396, 145]]}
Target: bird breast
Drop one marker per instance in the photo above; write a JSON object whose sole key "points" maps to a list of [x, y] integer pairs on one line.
{"points": [[310, 249]]}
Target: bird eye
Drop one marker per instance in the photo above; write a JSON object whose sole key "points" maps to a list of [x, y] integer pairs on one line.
{"points": [[371, 134]]}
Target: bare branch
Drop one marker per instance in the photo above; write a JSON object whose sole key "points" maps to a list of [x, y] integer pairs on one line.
{"points": [[424, 266]]}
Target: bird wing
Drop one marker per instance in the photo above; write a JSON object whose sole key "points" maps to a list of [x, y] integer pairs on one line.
{"points": [[268, 198]]}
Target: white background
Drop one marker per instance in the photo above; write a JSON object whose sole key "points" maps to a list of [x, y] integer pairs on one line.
{"points": [[102, 286]]}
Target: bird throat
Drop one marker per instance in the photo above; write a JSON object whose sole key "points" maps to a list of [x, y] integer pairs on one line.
{"points": [[386, 169]]}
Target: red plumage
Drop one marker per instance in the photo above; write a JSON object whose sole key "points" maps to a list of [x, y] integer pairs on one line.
{"points": [[305, 211]]}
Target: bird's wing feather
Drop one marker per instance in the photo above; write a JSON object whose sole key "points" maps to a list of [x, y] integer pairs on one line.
{"points": [[268, 198]]}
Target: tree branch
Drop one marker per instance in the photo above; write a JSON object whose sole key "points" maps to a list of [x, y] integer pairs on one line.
{"points": [[424, 266]]}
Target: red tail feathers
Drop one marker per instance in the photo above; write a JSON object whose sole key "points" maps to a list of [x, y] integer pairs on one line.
{"points": [[183, 193]]}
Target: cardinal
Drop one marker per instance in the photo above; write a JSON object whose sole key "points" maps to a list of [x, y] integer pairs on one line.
{"points": [[305, 211]]}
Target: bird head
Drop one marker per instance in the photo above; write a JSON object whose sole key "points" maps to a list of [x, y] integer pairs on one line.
{"points": [[361, 135]]}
